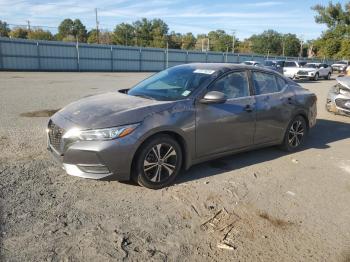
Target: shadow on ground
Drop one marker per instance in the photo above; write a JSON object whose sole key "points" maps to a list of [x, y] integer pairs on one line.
{"points": [[321, 136]]}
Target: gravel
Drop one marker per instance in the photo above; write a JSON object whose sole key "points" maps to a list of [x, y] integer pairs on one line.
{"points": [[264, 205]]}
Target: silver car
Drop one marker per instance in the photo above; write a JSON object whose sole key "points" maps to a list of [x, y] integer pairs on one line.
{"points": [[338, 99], [177, 118]]}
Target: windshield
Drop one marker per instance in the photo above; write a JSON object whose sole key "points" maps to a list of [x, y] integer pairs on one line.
{"points": [[172, 84], [310, 66], [269, 63], [341, 62]]}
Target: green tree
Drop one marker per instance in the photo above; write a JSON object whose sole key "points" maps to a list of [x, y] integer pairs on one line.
{"points": [[19, 33], [70, 30], [4, 29], [267, 42], [104, 37], [333, 42], [291, 45], [220, 41], [175, 40], [40, 34], [124, 34], [188, 41]]}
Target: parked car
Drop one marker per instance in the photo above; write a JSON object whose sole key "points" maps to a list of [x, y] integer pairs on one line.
{"points": [[252, 63], [340, 66], [276, 65], [181, 116], [313, 71], [291, 68], [338, 99]]}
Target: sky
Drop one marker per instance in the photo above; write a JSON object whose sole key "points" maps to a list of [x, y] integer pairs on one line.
{"points": [[243, 17]]}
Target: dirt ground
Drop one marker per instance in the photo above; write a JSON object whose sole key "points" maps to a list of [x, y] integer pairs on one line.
{"points": [[264, 205]]}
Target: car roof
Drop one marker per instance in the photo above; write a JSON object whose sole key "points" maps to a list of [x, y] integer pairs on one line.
{"points": [[217, 67]]}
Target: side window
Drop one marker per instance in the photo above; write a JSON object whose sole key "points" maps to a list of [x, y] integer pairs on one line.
{"points": [[281, 83], [290, 64], [264, 83], [233, 85]]}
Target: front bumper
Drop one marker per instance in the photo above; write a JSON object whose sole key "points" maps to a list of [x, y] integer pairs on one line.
{"points": [[333, 106], [94, 159]]}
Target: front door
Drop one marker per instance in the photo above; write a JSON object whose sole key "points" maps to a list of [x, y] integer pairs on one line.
{"points": [[228, 126]]}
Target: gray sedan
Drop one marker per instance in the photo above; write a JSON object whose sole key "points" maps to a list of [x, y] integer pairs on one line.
{"points": [[177, 118]]}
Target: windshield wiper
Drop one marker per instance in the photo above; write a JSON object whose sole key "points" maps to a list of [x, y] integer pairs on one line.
{"points": [[145, 96]]}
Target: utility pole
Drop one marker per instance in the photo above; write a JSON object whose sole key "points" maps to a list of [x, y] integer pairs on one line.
{"points": [[28, 25], [233, 41], [97, 34], [301, 45]]}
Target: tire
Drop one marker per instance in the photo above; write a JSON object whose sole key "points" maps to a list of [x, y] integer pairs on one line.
{"points": [[316, 77], [153, 172], [292, 140], [328, 77]]}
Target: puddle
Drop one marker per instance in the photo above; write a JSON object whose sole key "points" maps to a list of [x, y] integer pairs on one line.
{"points": [[40, 113]]}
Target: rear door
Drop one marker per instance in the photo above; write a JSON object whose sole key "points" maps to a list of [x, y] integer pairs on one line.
{"points": [[274, 106], [228, 126]]}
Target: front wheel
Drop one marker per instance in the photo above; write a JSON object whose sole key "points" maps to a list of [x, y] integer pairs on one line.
{"points": [[328, 77], [295, 134], [158, 162], [316, 77]]}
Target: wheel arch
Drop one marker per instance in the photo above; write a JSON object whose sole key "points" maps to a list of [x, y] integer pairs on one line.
{"points": [[186, 162]]}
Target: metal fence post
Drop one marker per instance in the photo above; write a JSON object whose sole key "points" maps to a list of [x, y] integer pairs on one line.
{"points": [[187, 57], [238, 59], [140, 60], [78, 58], [112, 67], [1, 57], [38, 55], [206, 57]]}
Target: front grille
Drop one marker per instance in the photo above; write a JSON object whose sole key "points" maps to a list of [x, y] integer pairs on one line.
{"points": [[55, 136], [304, 73]]}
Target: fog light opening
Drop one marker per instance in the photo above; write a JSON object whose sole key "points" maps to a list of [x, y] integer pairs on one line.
{"points": [[94, 169]]}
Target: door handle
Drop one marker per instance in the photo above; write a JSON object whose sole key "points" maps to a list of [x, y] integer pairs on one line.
{"points": [[290, 100], [248, 108]]}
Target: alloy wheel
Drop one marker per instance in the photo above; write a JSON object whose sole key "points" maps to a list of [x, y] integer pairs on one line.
{"points": [[160, 162], [296, 133]]}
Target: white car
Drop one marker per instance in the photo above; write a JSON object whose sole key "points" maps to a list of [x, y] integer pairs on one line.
{"points": [[252, 63], [291, 68], [314, 71], [340, 66]]}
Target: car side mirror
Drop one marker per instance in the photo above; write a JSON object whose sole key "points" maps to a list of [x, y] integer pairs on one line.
{"points": [[213, 97]]}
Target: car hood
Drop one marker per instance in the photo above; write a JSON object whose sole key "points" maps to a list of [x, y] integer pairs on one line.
{"points": [[344, 81], [111, 109], [339, 65]]}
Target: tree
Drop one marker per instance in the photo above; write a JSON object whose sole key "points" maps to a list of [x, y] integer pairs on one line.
{"points": [[19, 33], [267, 42], [291, 45], [4, 29], [175, 40], [104, 37], [40, 34], [70, 30], [334, 41], [124, 34], [188, 41], [220, 41]]}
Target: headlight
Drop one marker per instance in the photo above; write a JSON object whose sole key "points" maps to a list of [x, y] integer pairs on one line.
{"points": [[100, 134]]}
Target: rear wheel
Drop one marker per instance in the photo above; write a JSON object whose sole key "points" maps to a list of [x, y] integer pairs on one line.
{"points": [[328, 77], [295, 134], [158, 162]]}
